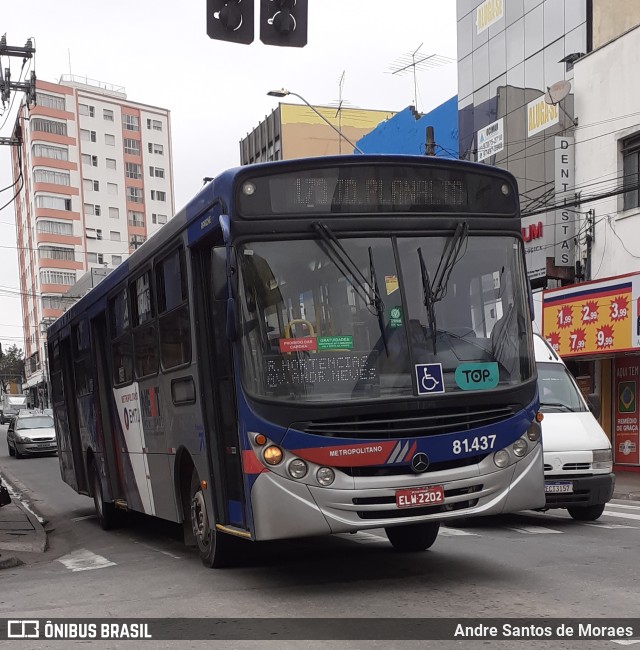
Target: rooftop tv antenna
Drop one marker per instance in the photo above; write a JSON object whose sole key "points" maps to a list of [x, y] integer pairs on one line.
{"points": [[416, 60]]}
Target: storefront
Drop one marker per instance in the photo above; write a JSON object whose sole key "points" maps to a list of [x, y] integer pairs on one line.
{"points": [[595, 328]]}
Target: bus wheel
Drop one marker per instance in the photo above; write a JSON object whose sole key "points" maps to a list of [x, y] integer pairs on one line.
{"points": [[215, 548], [414, 537], [106, 512], [586, 513]]}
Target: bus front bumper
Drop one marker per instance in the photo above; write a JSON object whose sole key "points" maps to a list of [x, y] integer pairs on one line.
{"points": [[285, 508]]}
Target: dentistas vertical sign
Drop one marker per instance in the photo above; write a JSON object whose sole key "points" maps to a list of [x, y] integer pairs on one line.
{"points": [[565, 226]]}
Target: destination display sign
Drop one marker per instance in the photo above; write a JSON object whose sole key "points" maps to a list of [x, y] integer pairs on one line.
{"points": [[363, 188]]}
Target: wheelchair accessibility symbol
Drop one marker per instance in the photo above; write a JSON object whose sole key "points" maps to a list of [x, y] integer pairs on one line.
{"points": [[429, 376]]}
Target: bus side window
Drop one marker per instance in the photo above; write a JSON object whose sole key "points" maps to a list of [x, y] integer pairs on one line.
{"points": [[145, 338], [121, 342], [173, 311]]}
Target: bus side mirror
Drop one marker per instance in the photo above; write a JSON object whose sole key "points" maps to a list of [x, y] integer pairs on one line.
{"points": [[593, 401]]}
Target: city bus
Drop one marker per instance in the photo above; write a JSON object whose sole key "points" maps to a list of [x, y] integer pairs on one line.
{"points": [[310, 347]]}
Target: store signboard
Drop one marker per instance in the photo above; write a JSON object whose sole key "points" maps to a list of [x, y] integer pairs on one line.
{"points": [[625, 396], [490, 140], [593, 318]]}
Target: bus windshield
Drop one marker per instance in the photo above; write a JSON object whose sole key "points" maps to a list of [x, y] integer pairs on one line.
{"points": [[342, 318]]}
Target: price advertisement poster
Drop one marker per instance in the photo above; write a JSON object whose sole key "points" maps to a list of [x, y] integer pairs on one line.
{"points": [[593, 317], [625, 398]]}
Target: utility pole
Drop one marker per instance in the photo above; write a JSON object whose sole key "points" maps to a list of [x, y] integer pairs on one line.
{"points": [[6, 85], [430, 146]]}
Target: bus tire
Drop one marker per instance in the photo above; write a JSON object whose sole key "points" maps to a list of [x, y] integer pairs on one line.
{"points": [[586, 513], [106, 512], [216, 549], [413, 538]]}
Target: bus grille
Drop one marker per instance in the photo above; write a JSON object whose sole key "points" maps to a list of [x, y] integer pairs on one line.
{"points": [[408, 424], [397, 470]]}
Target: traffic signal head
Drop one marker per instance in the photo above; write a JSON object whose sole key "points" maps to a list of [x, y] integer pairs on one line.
{"points": [[284, 22], [230, 20]]}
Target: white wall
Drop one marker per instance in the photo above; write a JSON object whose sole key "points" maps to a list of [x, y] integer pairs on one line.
{"points": [[606, 89]]}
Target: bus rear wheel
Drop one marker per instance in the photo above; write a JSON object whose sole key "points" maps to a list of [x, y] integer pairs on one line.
{"points": [[413, 538], [106, 512], [216, 549]]}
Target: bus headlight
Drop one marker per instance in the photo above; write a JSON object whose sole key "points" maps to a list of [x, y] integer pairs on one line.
{"points": [[297, 468], [520, 447], [534, 432], [272, 455], [501, 458], [602, 459], [325, 476]]}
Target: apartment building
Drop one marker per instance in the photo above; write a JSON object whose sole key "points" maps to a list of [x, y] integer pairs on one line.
{"points": [[96, 180]]}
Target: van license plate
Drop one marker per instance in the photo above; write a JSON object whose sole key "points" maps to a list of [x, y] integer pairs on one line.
{"points": [[559, 488], [422, 496]]}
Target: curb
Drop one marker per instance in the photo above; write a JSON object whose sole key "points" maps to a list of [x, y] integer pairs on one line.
{"points": [[40, 543]]}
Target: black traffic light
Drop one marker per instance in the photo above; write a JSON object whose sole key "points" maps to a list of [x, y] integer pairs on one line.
{"points": [[230, 20], [284, 22]]}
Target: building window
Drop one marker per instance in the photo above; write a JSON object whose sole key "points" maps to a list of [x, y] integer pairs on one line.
{"points": [[87, 136], [136, 240], [50, 101], [114, 235], [156, 148], [631, 169], [156, 195], [131, 122], [95, 258], [49, 176], [159, 218], [132, 146], [52, 302], [49, 151], [107, 114], [136, 219], [57, 277], [133, 170], [54, 227], [90, 186], [86, 109], [110, 139], [90, 209], [48, 126], [56, 253], [112, 189], [157, 172], [90, 160], [53, 202], [116, 259], [111, 163], [156, 125], [114, 213], [134, 195]]}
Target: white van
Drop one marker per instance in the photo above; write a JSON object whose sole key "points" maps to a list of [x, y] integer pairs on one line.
{"points": [[577, 453]]}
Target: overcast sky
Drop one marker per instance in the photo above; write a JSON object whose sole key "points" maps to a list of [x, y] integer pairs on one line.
{"points": [[216, 91]]}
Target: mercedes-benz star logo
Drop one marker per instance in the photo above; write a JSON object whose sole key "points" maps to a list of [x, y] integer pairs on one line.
{"points": [[420, 463]]}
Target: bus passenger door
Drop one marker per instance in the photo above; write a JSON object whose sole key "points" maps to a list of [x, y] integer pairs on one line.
{"points": [[103, 391], [217, 385]]}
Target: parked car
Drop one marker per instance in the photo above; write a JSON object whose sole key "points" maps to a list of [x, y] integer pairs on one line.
{"points": [[10, 405], [577, 453], [31, 434]]}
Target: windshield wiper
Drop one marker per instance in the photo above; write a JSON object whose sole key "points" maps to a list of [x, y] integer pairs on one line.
{"points": [[449, 258], [435, 291], [558, 405], [428, 299], [379, 305]]}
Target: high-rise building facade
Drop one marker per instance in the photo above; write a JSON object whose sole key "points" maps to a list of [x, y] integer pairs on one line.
{"points": [[96, 180]]}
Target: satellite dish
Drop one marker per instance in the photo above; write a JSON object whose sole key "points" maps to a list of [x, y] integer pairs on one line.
{"points": [[557, 92]]}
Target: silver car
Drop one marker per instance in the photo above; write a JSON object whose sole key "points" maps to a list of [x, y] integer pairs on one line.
{"points": [[31, 434]]}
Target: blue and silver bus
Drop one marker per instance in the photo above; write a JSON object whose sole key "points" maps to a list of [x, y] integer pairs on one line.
{"points": [[309, 347]]}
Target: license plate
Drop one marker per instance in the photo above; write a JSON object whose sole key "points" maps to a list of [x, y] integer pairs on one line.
{"points": [[558, 488], [46, 444], [422, 496]]}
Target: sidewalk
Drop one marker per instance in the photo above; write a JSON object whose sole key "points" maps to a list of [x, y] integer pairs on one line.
{"points": [[21, 533], [627, 485]]}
